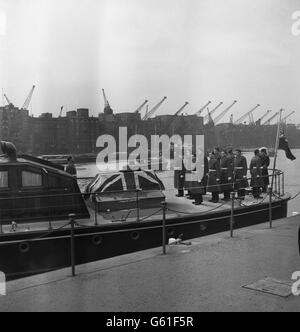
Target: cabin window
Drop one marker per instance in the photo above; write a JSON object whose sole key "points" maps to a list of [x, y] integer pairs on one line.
{"points": [[31, 179], [4, 179]]}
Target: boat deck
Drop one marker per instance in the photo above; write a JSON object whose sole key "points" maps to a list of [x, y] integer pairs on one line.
{"points": [[177, 207]]}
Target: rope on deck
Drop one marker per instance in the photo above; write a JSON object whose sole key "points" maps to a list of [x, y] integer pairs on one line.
{"points": [[195, 213], [295, 196], [151, 215], [47, 233]]}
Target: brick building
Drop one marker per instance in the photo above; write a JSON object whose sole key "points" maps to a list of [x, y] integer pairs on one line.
{"points": [[77, 132]]}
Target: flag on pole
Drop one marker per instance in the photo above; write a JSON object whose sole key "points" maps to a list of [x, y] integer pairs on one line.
{"points": [[284, 145]]}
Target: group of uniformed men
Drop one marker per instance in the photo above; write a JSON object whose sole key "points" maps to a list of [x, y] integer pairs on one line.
{"points": [[225, 171]]}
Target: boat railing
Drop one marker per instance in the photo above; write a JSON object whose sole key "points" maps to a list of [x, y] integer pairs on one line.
{"points": [[55, 202]]}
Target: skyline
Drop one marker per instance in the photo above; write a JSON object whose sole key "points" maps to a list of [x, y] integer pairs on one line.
{"points": [[191, 51]]}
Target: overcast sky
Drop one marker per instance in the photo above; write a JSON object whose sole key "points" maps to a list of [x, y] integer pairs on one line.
{"points": [[187, 50]]}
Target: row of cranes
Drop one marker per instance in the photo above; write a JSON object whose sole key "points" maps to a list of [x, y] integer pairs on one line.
{"points": [[27, 100], [209, 117]]}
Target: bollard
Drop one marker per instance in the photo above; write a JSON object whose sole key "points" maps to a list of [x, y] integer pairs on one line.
{"points": [[72, 223], [164, 209], [232, 214], [270, 206]]}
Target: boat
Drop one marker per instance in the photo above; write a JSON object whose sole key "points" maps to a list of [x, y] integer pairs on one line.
{"points": [[39, 239]]}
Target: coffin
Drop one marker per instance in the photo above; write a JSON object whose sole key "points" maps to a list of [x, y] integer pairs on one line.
{"points": [[125, 190]]}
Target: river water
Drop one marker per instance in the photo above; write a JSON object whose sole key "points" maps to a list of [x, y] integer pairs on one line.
{"points": [[290, 168]]}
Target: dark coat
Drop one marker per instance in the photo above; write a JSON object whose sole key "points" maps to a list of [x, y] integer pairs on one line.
{"points": [[197, 186], [256, 172], [214, 173], [265, 163], [71, 169], [226, 174], [179, 178], [230, 158], [240, 172]]}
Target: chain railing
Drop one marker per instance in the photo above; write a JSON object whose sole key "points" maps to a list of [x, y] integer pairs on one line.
{"points": [[95, 199], [45, 213]]}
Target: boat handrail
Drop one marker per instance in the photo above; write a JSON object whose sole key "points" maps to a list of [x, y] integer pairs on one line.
{"points": [[84, 194]]}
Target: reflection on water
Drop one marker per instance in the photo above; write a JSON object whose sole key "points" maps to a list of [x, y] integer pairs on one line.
{"points": [[290, 168]]}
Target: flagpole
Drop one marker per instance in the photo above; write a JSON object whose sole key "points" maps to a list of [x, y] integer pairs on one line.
{"points": [[276, 147]]}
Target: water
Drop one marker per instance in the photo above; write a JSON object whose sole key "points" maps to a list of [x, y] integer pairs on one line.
{"points": [[290, 168]]}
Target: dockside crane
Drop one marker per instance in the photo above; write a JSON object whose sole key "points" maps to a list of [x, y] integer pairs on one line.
{"points": [[212, 112], [107, 109], [181, 109], [8, 101], [202, 109], [259, 121], [268, 122], [138, 110], [221, 116], [61, 110], [154, 109], [288, 116], [28, 99], [242, 118]]}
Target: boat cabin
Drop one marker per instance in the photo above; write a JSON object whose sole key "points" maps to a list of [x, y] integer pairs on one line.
{"points": [[33, 190]]}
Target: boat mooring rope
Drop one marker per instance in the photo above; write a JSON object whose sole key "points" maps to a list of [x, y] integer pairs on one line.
{"points": [[195, 213], [295, 196]]}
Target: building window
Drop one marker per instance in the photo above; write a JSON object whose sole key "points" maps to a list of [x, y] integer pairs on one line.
{"points": [[3, 179], [31, 179]]}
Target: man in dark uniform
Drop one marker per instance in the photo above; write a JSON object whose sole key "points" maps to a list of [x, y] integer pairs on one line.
{"points": [[179, 179], [71, 168], [203, 182], [197, 187], [240, 173], [230, 157], [265, 163], [214, 173], [256, 174], [225, 175], [217, 153]]}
